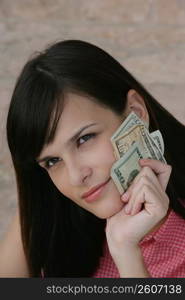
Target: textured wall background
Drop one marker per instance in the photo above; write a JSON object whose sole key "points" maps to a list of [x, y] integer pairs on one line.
{"points": [[146, 36]]}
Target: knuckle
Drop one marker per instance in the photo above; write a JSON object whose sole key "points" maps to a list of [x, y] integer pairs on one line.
{"points": [[160, 211], [145, 170], [162, 207], [167, 202], [164, 211], [169, 167], [144, 179], [146, 186]]}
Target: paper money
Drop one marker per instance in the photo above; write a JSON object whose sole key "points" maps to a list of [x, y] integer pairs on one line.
{"points": [[157, 137], [135, 133], [130, 121], [131, 142], [126, 168]]}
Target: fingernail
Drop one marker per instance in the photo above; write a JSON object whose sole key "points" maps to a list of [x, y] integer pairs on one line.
{"points": [[142, 160], [125, 196], [132, 212], [126, 208]]}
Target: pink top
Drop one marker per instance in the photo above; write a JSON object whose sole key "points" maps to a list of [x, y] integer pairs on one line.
{"points": [[163, 252]]}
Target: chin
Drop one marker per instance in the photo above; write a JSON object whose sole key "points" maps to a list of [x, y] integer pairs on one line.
{"points": [[109, 211]]}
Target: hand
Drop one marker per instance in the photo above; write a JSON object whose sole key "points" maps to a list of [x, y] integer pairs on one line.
{"points": [[155, 176], [146, 204]]}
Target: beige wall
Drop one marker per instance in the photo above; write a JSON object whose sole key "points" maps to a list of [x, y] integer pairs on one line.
{"points": [[146, 36]]}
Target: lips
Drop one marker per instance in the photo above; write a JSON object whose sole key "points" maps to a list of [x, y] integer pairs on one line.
{"points": [[95, 191]]}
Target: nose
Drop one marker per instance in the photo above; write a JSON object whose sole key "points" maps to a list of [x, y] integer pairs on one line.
{"points": [[78, 173]]}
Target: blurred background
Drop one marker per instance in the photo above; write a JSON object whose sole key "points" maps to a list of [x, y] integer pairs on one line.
{"points": [[146, 36]]}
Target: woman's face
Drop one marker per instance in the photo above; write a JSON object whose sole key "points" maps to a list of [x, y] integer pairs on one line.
{"points": [[81, 156]]}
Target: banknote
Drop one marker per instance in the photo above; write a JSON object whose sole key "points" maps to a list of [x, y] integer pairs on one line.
{"points": [[126, 138], [130, 142], [127, 167], [157, 137], [157, 150], [130, 121], [135, 133]]}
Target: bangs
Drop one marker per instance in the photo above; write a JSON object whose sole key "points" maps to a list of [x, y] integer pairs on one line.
{"points": [[52, 99], [54, 119], [48, 110], [34, 113]]}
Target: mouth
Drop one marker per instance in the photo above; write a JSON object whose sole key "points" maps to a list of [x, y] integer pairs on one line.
{"points": [[94, 193]]}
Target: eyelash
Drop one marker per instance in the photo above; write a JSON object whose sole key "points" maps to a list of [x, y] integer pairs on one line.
{"points": [[91, 135], [56, 159]]}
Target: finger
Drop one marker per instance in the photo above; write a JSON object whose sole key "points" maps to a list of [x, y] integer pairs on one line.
{"points": [[137, 207], [149, 173], [143, 181], [138, 186], [125, 196], [146, 193], [162, 170], [145, 177], [153, 202], [137, 202]]}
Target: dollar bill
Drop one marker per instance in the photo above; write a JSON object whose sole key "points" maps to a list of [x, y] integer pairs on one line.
{"points": [[157, 137], [130, 142], [127, 167], [130, 121], [157, 150], [136, 133]]}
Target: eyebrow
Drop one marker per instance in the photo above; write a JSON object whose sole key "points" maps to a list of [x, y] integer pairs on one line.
{"points": [[71, 140]]}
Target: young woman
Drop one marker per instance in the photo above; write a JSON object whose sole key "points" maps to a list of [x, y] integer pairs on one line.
{"points": [[72, 221]]}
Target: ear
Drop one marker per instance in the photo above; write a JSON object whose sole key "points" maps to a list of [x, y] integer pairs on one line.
{"points": [[136, 104]]}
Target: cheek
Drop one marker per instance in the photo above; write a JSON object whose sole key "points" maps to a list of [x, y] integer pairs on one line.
{"points": [[105, 155], [100, 160]]}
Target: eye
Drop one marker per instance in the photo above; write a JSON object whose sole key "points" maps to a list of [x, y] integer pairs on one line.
{"points": [[85, 138], [51, 162]]}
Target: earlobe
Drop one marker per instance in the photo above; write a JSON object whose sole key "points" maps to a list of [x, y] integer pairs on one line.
{"points": [[136, 104]]}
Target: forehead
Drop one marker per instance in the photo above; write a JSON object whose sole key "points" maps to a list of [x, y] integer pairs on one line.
{"points": [[78, 112]]}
